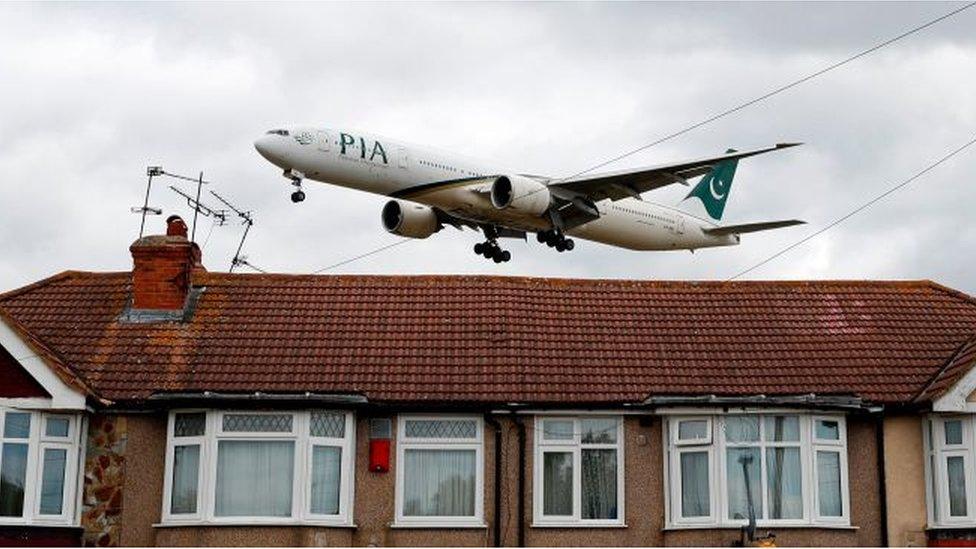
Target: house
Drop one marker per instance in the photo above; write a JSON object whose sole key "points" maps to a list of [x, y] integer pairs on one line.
{"points": [[174, 406]]}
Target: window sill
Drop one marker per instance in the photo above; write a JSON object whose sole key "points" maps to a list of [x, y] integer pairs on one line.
{"points": [[438, 525], [5, 523], [760, 526], [252, 523], [577, 525], [962, 526]]}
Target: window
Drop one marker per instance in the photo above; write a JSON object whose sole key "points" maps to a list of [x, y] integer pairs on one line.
{"points": [[782, 468], [39, 455], [949, 469], [440, 471], [257, 467], [578, 478]]}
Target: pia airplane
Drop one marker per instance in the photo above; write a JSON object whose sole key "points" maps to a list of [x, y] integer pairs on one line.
{"points": [[431, 189]]}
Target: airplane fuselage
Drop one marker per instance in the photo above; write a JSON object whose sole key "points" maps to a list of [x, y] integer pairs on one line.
{"points": [[458, 186]]}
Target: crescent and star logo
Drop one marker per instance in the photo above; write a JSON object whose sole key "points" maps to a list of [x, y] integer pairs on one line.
{"points": [[715, 193]]}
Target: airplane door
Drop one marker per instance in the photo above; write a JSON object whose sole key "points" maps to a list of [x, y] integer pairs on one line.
{"points": [[322, 141], [680, 225], [403, 157]]}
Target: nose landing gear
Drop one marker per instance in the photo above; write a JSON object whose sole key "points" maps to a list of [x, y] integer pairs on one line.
{"points": [[491, 250], [556, 239], [299, 194]]}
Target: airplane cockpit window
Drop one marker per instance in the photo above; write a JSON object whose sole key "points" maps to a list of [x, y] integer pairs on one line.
{"points": [[278, 132]]}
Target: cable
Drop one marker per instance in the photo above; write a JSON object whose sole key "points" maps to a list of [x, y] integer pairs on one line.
{"points": [[358, 257], [773, 92], [855, 211]]}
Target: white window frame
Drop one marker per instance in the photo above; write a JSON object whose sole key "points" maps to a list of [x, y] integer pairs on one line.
{"points": [[404, 443], [716, 446], [301, 479], [37, 442], [937, 453], [574, 446]]}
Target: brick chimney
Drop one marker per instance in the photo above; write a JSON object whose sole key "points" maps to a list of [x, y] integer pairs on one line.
{"points": [[162, 268]]}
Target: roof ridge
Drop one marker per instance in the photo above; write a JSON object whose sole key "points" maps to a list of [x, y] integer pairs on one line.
{"points": [[652, 282], [39, 284], [962, 296]]}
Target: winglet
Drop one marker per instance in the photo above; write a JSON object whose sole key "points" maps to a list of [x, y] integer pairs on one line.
{"points": [[787, 145]]}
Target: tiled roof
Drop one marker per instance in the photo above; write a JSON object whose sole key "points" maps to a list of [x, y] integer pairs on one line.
{"points": [[953, 371], [501, 339]]}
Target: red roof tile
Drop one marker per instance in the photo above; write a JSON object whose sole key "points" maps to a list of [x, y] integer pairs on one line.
{"points": [[500, 339]]}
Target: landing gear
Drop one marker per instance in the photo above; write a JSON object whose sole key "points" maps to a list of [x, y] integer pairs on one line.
{"points": [[296, 181], [556, 239], [490, 250]]}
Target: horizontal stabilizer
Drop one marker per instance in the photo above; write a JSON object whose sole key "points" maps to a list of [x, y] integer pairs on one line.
{"points": [[752, 227]]}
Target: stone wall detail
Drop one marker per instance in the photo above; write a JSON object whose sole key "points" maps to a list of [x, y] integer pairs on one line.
{"points": [[104, 477]]}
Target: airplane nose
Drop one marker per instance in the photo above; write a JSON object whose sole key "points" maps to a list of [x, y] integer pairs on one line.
{"points": [[264, 146]]}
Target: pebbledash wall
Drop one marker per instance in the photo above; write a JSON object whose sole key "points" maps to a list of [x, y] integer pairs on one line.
{"points": [[124, 485]]}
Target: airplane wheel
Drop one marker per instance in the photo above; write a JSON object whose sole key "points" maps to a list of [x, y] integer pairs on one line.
{"points": [[506, 256], [561, 246], [497, 258], [570, 244], [297, 196], [479, 248], [540, 236]]}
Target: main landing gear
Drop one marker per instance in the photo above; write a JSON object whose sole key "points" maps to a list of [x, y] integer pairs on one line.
{"points": [[556, 239], [491, 250]]}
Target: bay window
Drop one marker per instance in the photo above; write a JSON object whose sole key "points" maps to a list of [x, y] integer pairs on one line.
{"points": [[440, 471], [39, 455], [780, 468], [578, 478], [259, 466], [949, 451]]}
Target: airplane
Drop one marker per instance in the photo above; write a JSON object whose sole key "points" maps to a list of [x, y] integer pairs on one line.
{"points": [[430, 189]]}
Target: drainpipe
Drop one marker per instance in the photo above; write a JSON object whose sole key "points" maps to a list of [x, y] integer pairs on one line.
{"points": [[497, 502], [520, 423], [883, 492]]}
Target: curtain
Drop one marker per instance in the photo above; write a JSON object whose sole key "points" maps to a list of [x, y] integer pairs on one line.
{"points": [[254, 478], [694, 485], [956, 470], [742, 428], [828, 484], [784, 482], [738, 492], [326, 472], [52, 480], [186, 468], [599, 484], [557, 484], [439, 483], [13, 476]]}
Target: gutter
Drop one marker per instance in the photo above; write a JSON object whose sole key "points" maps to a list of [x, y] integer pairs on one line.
{"points": [[259, 396], [810, 400]]}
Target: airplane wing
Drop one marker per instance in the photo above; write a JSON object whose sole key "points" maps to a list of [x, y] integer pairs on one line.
{"points": [[752, 227], [631, 183], [445, 218]]}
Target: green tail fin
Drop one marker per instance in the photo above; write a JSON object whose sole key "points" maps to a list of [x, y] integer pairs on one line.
{"points": [[713, 189]]}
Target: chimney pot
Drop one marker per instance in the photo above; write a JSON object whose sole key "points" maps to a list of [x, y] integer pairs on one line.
{"points": [[175, 226]]}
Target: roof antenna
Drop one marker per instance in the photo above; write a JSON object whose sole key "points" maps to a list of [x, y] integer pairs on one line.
{"points": [[220, 216], [248, 222], [158, 171]]}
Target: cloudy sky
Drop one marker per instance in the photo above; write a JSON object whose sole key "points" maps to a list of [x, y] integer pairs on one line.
{"points": [[90, 94]]}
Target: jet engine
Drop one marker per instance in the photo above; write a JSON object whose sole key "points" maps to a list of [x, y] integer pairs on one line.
{"points": [[520, 194], [409, 219]]}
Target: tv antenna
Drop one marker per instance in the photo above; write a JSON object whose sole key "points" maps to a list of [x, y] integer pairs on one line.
{"points": [[248, 222], [146, 209]]}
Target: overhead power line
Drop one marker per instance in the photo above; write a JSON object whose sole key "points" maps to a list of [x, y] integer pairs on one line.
{"points": [[776, 91], [360, 256], [855, 211]]}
